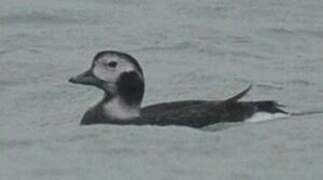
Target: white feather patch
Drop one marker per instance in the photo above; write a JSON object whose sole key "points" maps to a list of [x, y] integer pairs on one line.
{"points": [[116, 108], [264, 116]]}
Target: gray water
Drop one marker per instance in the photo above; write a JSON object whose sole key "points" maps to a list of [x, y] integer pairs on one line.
{"points": [[189, 49]]}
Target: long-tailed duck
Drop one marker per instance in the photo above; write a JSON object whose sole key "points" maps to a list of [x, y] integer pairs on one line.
{"points": [[121, 78]]}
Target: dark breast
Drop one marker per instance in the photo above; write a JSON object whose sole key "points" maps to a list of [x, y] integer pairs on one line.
{"points": [[94, 116]]}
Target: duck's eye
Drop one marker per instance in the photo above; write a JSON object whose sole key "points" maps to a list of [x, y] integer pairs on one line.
{"points": [[112, 64]]}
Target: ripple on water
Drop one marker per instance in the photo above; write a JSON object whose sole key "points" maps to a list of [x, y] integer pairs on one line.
{"points": [[41, 18]]}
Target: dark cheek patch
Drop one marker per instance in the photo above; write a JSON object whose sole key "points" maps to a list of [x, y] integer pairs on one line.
{"points": [[131, 87]]}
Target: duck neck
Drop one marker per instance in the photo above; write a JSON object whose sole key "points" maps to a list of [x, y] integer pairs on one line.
{"points": [[117, 108]]}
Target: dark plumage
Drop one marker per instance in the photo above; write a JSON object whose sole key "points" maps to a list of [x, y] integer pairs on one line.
{"points": [[123, 84]]}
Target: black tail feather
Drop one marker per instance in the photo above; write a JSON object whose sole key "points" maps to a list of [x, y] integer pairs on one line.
{"points": [[269, 106], [238, 96]]}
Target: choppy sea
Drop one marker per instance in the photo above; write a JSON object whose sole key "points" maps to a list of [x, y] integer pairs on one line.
{"points": [[207, 49]]}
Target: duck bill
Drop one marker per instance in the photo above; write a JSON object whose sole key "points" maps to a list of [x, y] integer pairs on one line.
{"points": [[85, 78]]}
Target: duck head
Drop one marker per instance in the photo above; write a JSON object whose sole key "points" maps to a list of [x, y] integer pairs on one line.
{"points": [[118, 74]]}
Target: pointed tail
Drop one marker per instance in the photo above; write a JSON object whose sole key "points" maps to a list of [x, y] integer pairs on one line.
{"points": [[305, 113], [270, 107]]}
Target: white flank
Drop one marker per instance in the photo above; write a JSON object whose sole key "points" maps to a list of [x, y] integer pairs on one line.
{"points": [[264, 116]]}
